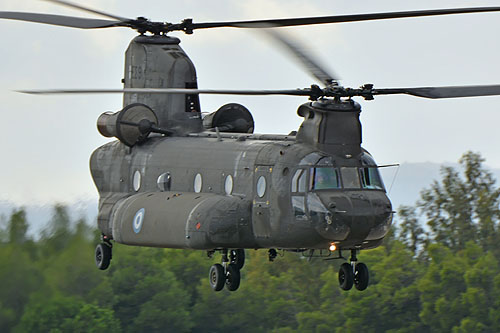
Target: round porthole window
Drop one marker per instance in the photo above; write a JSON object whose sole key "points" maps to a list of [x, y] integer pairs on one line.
{"points": [[261, 186], [163, 182], [198, 183], [136, 182], [228, 185]]}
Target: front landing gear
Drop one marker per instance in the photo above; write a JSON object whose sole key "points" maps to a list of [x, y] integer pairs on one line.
{"points": [[229, 272], [353, 274], [217, 277], [361, 276]]}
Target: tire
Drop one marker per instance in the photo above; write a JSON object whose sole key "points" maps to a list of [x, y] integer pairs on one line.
{"points": [[346, 276], [238, 258], [102, 256], [232, 277], [361, 276], [217, 277]]}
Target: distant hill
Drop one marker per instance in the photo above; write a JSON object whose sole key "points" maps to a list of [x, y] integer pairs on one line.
{"points": [[405, 189]]}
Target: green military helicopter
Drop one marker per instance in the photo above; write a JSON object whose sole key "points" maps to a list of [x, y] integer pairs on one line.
{"points": [[176, 179]]}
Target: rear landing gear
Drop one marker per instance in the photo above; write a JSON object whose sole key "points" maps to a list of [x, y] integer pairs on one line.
{"points": [[229, 272], [102, 256], [353, 274], [103, 253]]}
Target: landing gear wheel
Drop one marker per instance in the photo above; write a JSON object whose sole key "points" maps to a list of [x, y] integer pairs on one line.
{"points": [[361, 276], [346, 276], [217, 277], [237, 257], [102, 256], [232, 277]]}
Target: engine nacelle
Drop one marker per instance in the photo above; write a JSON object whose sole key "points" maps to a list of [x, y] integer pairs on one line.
{"points": [[130, 125], [231, 117]]}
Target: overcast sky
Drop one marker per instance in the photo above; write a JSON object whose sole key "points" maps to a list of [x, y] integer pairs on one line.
{"points": [[46, 141]]}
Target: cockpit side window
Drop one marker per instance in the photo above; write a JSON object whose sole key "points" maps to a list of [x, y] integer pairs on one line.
{"points": [[324, 178], [370, 178], [299, 181]]}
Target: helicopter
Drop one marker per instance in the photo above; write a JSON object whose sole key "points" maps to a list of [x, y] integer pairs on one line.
{"points": [[176, 179]]}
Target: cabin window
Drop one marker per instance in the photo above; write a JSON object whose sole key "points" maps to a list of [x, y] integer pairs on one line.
{"points": [[299, 181], [228, 185], [164, 181], [350, 177], [136, 182], [370, 178], [198, 182], [324, 178], [261, 186]]}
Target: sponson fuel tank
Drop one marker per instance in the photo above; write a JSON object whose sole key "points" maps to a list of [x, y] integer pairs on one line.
{"points": [[183, 220]]}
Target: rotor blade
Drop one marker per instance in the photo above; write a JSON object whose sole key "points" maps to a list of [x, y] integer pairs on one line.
{"points": [[294, 92], [314, 91], [300, 53], [89, 10], [443, 92], [287, 22], [65, 21]]}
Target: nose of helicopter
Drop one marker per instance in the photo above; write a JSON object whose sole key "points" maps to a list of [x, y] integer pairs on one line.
{"points": [[353, 217]]}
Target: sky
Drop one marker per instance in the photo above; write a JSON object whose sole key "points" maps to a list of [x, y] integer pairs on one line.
{"points": [[46, 141]]}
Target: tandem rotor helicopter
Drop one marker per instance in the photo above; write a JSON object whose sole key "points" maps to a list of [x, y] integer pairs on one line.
{"points": [[175, 179]]}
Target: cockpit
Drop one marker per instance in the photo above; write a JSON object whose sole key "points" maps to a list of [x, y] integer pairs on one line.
{"points": [[323, 175], [333, 194]]}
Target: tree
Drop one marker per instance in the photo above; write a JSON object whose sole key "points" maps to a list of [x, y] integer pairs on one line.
{"points": [[459, 291], [19, 278], [464, 207], [411, 233], [17, 227], [57, 235], [392, 301], [146, 295], [92, 319], [66, 314]]}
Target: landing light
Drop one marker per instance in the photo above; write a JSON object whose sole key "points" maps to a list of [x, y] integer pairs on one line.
{"points": [[333, 247]]}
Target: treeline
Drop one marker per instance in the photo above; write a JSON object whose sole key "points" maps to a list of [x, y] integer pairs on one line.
{"points": [[437, 272]]}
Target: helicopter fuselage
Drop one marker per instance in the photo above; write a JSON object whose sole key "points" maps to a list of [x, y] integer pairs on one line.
{"points": [[211, 191]]}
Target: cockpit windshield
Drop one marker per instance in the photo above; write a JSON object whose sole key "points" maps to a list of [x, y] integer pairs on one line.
{"points": [[350, 177], [318, 172], [324, 178]]}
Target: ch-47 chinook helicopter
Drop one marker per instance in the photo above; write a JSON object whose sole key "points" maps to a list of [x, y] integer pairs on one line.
{"points": [[176, 180]]}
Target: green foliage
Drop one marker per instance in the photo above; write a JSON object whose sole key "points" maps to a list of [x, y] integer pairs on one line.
{"points": [[48, 315], [443, 277], [93, 319], [18, 226], [411, 233], [67, 314], [464, 207], [57, 235], [146, 295], [19, 278]]}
